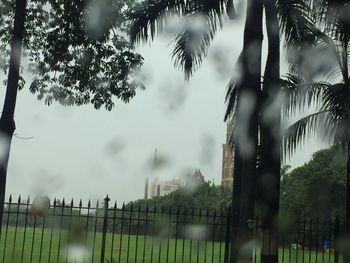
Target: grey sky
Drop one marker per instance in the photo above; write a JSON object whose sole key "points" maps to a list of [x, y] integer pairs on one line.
{"points": [[83, 153]]}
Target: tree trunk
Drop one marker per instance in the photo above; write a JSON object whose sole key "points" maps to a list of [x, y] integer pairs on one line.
{"points": [[348, 190], [270, 140], [246, 126], [7, 123]]}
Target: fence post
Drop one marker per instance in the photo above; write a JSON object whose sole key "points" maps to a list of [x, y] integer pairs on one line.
{"points": [[104, 230], [336, 235], [228, 235]]}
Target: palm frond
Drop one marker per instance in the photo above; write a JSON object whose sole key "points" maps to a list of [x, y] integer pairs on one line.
{"points": [[147, 17], [300, 94], [297, 22], [333, 16], [297, 133], [191, 45], [231, 94]]}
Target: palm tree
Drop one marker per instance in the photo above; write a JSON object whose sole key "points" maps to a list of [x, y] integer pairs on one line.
{"points": [[7, 123], [148, 19], [331, 118]]}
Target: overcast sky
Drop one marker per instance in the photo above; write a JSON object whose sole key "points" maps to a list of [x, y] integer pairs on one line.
{"points": [[78, 152]]}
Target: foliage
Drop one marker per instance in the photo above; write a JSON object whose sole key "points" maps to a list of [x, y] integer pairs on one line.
{"points": [[317, 188], [77, 50], [205, 196]]}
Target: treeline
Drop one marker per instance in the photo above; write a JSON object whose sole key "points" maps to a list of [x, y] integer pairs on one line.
{"points": [[206, 196], [317, 188]]}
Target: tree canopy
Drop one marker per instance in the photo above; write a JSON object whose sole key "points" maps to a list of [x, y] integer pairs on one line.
{"points": [[318, 187], [78, 50], [205, 196]]}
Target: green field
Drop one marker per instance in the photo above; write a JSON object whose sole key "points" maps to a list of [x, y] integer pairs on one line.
{"points": [[148, 249]]}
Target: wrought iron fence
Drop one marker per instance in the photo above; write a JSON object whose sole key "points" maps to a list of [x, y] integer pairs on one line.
{"points": [[132, 234], [104, 233]]}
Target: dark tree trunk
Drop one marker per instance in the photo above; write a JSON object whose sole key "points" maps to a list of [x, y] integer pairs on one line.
{"points": [[348, 190], [7, 123], [246, 126], [270, 140]]}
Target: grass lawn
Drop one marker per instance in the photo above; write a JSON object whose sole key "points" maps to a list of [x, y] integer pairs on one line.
{"points": [[53, 247], [148, 249]]}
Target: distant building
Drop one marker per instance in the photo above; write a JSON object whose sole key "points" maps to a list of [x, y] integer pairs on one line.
{"points": [[155, 187], [227, 158], [161, 188], [195, 179], [166, 187]]}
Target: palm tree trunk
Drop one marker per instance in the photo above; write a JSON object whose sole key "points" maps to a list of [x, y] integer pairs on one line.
{"points": [[348, 190], [269, 177], [247, 127], [7, 123]]}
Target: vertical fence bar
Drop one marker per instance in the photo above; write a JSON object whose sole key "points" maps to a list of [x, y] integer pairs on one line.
{"points": [[60, 229], [191, 240], [323, 240], [145, 235], [168, 234], [69, 228], [87, 228], [42, 238], [329, 239], [310, 240], [129, 230], [153, 230], [317, 228], [160, 238], [176, 232], [198, 242], [228, 236], [297, 242], [336, 235], [15, 235], [220, 233], [95, 232], [33, 241], [184, 237], [7, 226], [137, 230], [113, 230], [52, 229], [213, 241], [304, 230], [104, 230], [206, 239], [25, 228], [121, 234]]}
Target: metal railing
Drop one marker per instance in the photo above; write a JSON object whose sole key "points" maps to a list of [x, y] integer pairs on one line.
{"points": [[103, 233], [132, 234]]}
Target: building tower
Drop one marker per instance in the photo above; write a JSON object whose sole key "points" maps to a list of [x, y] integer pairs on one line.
{"points": [[150, 187], [227, 158]]}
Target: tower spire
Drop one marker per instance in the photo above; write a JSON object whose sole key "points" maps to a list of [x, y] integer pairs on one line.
{"points": [[155, 155]]}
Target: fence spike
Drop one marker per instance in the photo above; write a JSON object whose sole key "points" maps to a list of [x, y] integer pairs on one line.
{"points": [[139, 207], [54, 202], [123, 206], [115, 205], [89, 204], [19, 199], [80, 203], [97, 204], [71, 203], [63, 203], [10, 198], [28, 199]]}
